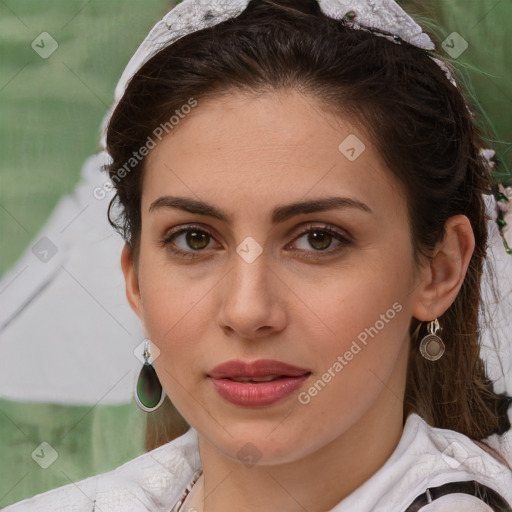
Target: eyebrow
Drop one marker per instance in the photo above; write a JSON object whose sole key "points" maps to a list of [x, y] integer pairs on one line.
{"points": [[279, 214]]}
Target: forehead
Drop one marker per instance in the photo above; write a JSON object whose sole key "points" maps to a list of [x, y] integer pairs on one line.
{"points": [[248, 151]]}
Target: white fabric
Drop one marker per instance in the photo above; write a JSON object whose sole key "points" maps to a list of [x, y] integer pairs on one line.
{"points": [[495, 320], [385, 15], [425, 457], [65, 325]]}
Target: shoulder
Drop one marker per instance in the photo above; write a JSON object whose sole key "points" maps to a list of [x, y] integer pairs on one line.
{"points": [[439, 456], [146, 483], [457, 451]]}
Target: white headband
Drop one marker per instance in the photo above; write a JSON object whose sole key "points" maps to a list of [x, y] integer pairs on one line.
{"points": [[192, 15]]}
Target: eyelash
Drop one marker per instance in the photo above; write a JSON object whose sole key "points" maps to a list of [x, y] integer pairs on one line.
{"points": [[170, 236]]}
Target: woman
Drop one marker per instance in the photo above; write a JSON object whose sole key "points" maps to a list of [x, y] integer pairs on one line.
{"points": [[301, 188]]}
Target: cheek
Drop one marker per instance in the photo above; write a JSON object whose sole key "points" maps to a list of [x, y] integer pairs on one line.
{"points": [[354, 366], [178, 314], [360, 328], [366, 327], [176, 322], [169, 293], [171, 306], [351, 299]]}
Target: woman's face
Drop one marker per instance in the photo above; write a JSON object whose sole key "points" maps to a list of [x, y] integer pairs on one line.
{"points": [[265, 273]]}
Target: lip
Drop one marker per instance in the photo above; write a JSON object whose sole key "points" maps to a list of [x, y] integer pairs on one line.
{"points": [[251, 394], [260, 368]]}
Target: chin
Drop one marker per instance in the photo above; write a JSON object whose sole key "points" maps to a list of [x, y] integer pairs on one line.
{"points": [[261, 443]]}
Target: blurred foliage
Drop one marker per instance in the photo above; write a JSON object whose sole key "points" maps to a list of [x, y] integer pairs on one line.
{"points": [[51, 109], [485, 67]]}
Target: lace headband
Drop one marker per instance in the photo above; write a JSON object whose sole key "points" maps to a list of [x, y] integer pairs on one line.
{"points": [[385, 18]]}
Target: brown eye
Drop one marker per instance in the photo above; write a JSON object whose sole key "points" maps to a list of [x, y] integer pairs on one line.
{"points": [[188, 241], [197, 239], [319, 239]]}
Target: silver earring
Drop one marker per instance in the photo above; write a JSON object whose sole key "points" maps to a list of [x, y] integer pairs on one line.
{"points": [[432, 346], [149, 393]]}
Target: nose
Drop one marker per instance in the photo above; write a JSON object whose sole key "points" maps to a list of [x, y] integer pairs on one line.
{"points": [[252, 302]]}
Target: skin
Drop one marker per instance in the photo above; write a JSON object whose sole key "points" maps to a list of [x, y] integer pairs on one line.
{"points": [[247, 155]]}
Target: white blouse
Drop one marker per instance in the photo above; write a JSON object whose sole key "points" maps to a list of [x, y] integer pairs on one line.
{"points": [[425, 457]]}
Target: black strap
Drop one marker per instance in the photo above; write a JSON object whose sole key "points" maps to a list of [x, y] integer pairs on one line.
{"points": [[482, 492]]}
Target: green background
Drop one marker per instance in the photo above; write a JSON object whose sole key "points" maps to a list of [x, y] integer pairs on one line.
{"points": [[51, 111]]}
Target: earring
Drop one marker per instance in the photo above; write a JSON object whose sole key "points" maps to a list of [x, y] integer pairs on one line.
{"points": [[432, 346], [149, 393]]}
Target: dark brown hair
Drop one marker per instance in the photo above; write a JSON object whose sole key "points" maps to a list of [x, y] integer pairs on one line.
{"points": [[418, 121]]}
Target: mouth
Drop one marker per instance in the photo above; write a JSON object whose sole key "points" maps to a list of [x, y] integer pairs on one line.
{"points": [[258, 383], [268, 378], [262, 370]]}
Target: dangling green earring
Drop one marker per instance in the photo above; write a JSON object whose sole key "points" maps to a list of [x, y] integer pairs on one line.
{"points": [[149, 393]]}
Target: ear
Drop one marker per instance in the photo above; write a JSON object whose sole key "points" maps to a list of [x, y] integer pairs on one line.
{"points": [[131, 280], [442, 277]]}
